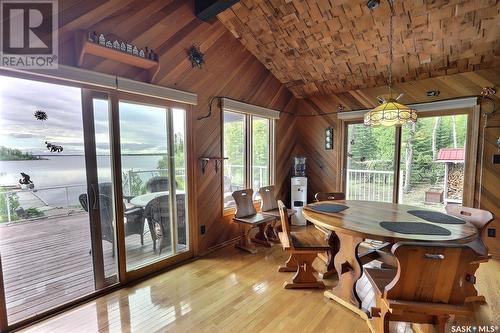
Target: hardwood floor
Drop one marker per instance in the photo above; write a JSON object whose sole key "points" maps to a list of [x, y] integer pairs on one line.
{"points": [[230, 291], [47, 262]]}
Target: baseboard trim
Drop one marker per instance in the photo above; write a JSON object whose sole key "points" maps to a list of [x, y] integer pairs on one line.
{"points": [[219, 246]]}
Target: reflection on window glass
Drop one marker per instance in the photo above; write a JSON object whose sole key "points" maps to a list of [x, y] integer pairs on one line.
{"points": [[370, 163], [260, 152], [432, 161], [44, 227], [234, 150], [104, 178], [179, 123], [145, 163]]}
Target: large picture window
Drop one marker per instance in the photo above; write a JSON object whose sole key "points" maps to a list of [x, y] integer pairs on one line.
{"points": [[248, 143], [431, 155]]}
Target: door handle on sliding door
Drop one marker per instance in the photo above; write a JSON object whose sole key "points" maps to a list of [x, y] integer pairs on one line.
{"points": [[94, 195]]}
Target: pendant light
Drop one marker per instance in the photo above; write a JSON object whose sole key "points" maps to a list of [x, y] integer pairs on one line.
{"points": [[390, 112]]}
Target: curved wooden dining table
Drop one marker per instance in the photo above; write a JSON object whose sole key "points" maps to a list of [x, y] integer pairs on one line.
{"points": [[360, 221]]}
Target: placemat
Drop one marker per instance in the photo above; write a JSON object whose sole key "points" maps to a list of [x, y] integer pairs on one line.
{"points": [[436, 217], [328, 208], [415, 228]]}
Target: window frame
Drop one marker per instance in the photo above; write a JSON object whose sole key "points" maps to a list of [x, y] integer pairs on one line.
{"points": [[248, 166], [471, 149]]}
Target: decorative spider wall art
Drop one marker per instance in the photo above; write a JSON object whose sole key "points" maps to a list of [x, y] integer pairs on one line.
{"points": [[40, 115], [53, 148], [196, 57]]}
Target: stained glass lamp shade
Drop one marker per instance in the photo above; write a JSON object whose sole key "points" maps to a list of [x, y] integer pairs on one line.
{"points": [[390, 113]]}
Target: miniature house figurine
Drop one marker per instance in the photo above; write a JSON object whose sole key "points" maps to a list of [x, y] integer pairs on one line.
{"points": [[141, 53], [123, 47], [129, 48], [135, 51], [102, 40], [109, 44], [116, 45]]}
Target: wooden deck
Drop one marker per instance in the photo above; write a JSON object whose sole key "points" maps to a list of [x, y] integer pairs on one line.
{"points": [[48, 262]]}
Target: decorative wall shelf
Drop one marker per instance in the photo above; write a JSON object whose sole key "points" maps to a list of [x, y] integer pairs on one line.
{"points": [[85, 47], [218, 162]]}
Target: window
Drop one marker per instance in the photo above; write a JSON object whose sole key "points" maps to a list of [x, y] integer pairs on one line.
{"points": [[431, 155], [248, 147]]}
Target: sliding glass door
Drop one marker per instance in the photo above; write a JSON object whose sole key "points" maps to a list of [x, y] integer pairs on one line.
{"points": [[152, 149], [432, 163], [100, 186], [54, 179], [93, 192], [431, 168], [370, 163]]}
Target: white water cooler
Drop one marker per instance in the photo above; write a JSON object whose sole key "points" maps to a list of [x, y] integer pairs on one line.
{"points": [[299, 199]]}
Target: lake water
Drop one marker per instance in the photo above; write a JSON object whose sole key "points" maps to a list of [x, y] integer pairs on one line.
{"points": [[69, 171]]}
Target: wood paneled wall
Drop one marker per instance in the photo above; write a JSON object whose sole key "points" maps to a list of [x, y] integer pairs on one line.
{"points": [[324, 166], [488, 194], [170, 28]]}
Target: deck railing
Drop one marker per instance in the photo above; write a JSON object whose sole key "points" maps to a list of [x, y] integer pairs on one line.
{"points": [[59, 196], [369, 185], [128, 187]]}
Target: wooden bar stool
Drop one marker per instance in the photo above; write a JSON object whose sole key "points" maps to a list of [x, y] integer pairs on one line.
{"points": [[304, 248], [269, 207], [248, 218]]}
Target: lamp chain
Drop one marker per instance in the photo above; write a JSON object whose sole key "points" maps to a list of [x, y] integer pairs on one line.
{"points": [[390, 46]]}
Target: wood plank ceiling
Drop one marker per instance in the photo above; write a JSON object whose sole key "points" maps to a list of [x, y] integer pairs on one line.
{"points": [[326, 46]]}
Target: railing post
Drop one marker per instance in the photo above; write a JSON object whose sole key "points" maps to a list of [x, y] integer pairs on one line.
{"points": [[130, 182], [260, 176], [67, 197], [7, 201], [348, 173]]}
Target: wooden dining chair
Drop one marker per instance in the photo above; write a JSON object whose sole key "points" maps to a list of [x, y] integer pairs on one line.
{"points": [[324, 196], [426, 288], [329, 256], [303, 248], [269, 206], [479, 218], [248, 218]]}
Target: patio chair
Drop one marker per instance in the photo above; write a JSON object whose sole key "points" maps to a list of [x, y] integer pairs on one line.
{"points": [[157, 213], [157, 184], [134, 219], [181, 218]]}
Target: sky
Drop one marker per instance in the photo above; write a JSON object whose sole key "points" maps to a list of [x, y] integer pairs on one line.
{"points": [[142, 127]]}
